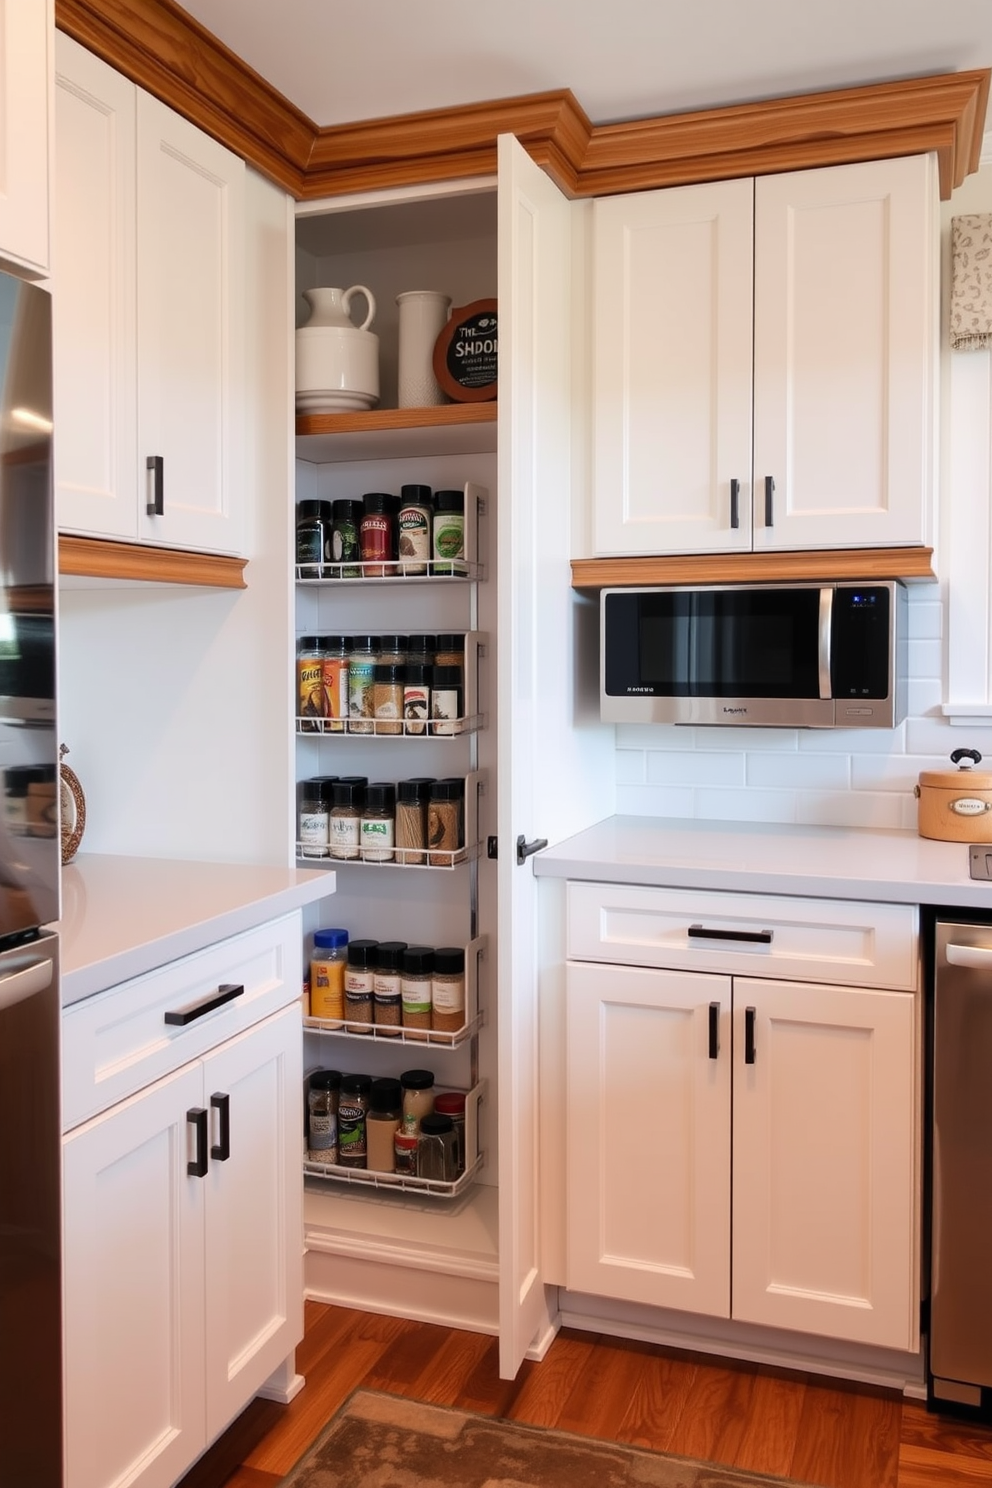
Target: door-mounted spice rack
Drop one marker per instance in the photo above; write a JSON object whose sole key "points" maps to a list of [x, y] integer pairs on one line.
{"points": [[440, 848], [394, 1034], [415, 704]]}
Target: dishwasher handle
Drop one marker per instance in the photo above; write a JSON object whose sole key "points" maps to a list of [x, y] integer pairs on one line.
{"points": [[977, 958]]}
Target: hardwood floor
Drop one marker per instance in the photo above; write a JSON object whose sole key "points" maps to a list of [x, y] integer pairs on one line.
{"points": [[815, 1430]]}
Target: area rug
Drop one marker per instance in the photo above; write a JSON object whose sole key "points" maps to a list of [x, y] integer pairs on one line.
{"points": [[384, 1441]]}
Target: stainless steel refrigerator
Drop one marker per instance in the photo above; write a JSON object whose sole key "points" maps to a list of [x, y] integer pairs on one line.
{"points": [[30, 861]]}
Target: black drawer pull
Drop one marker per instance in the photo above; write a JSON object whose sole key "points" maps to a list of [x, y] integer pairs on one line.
{"points": [[749, 1017], [769, 501], [758, 937], [196, 1117], [225, 993], [222, 1105], [714, 1029], [735, 503], [156, 507]]}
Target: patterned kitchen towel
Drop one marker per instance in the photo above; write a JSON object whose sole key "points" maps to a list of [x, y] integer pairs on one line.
{"points": [[971, 282]]}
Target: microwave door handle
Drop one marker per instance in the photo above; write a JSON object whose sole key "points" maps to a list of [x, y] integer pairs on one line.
{"points": [[826, 628]]}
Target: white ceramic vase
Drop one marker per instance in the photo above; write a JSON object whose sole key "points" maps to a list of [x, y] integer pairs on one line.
{"points": [[423, 315], [337, 362]]}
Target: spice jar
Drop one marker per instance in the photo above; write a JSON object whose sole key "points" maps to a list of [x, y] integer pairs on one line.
{"points": [[444, 822], [392, 649], [345, 824], [309, 682], [420, 649], [388, 698], [323, 1089], [448, 531], [313, 811], [446, 699], [387, 996], [418, 1097], [452, 1103], [437, 1156], [448, 990], [334, 676], [377, 534], [345, 550], [361, 683], [411, 819], [450, 650], [313, 534], [405, 1153], [378, 830], [416, 518], [353, 1106], [359, 981], [327, 969], [416, 697], [416, 970], [382, 1124]]}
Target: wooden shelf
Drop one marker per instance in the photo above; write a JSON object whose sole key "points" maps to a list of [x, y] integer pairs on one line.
{"points": [[100, 558], [452, 428], [912, 565]]}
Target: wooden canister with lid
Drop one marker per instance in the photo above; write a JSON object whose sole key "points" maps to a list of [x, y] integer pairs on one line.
{"points": [[956, 805]]}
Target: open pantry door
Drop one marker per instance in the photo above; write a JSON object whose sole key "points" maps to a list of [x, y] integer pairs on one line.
{"points": [[544, 761]]}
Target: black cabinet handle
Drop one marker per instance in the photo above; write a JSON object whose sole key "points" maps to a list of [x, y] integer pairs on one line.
{"points": [[196, 1117], [222, 1105], [525, 849], [769, 501], [226, 992], [749, 1017], [714, 1029], [156, 507], [702, 932], [735, 503]]}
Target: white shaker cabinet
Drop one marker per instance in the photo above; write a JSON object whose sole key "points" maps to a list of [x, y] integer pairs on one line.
{"points": [[744, 1146], [27, 29], [149, 317], [183, 1254], [829, 280]]}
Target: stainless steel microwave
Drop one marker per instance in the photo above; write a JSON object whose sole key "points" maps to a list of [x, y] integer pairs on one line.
{"points": [[774, 655]]}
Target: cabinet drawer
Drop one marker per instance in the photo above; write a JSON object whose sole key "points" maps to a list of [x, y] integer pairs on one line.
{"points": [[825, 940], [118, 1041]]}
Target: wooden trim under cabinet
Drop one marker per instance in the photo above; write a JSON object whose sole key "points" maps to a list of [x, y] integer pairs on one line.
{"points": [[163, 49], [99, 558], [912, 565]]}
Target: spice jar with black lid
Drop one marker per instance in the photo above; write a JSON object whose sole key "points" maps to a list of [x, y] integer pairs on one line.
{"points": [[323, 1094], [378, 829], [416, 697], [448, 532], [353, 1105], [418, 1097], [309, 682], [359, 983], [315, 801], [313, 537], [437, 1149], [448, 990], [416, 970], [416, 518], [377, 534], [345, 551], [392, 649], [444, 822], [411, 819], [361, 683], [387, 995], [345, 824], [446, 699], [334, 668], [382, 1123], [449, 650], [421, 648], [388, 697]]}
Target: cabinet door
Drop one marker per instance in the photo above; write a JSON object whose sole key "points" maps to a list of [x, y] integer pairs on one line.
{"points": [[133, 1228], [672, 380], [254, 1211], [648, 1136], [191, 312], [845, 354], [26, 31], [825, 1162], [94, 312]]}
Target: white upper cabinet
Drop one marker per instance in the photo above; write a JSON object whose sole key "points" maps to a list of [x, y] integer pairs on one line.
{"points": [[149, 317], [26, 31], [828, 281]]}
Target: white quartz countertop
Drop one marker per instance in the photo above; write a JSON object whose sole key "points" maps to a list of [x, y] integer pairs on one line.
{"points": [[759, 858], [124, 916]]}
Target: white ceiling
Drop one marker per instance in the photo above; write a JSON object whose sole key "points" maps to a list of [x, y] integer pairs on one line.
{"points": [[341, 62]]}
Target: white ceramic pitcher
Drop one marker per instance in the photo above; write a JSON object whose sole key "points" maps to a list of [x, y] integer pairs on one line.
{"points": [[337, 361]]}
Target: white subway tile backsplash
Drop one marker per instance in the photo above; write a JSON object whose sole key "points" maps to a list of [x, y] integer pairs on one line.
{"points": [[875, 773], [924, 695], [695, 767], [926, 658], [654, 736], [798, 772], [852, 808], [924, 615], [747, 805], [779, 740], [853, 741], [646, 800], [935, 737], [630, 766]]}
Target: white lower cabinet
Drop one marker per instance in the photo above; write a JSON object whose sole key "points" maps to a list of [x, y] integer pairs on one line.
{"points": [[744, 1148], [183, 1239]]}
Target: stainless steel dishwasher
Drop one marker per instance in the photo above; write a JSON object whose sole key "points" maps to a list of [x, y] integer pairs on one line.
{"points": [[960, 1347]]}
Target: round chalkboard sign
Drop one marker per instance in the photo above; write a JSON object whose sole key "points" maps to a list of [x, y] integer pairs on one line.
{"points": [[465, 353]]}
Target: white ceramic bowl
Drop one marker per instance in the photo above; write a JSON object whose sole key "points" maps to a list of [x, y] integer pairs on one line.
{"points": [[337, 367]]}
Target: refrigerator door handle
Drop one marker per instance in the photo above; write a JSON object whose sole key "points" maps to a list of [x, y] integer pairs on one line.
{"points": [[20, 985], [977, 958]]}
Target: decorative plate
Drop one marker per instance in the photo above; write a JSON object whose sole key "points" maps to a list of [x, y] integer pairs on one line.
{"points": [[466, 353], [72, 809]]}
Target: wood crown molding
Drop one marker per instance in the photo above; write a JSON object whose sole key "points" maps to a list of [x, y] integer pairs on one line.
{"points": [[162, 48], [101, 558]]}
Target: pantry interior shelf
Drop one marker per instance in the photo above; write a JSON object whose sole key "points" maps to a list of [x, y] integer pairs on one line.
{"points": [[451, 429]]}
